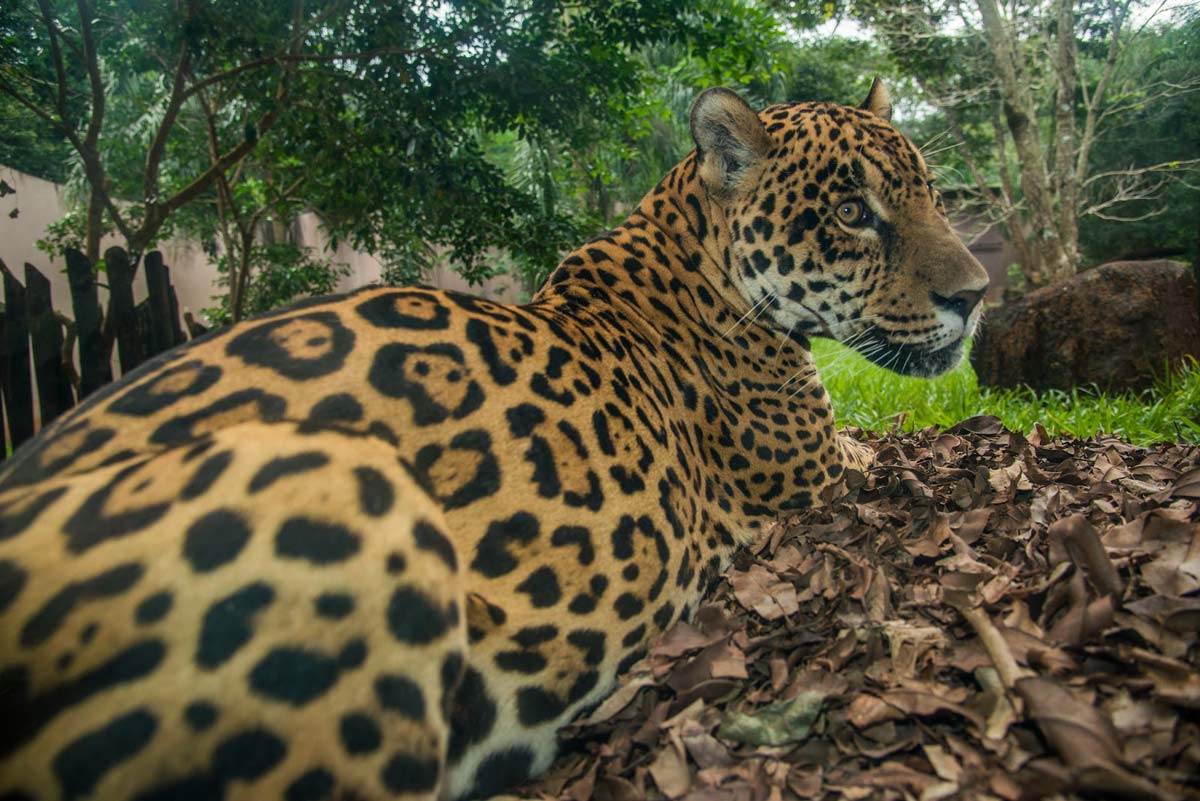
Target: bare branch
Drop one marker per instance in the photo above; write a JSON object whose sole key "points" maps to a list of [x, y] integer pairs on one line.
{"points": [[1092, 105], [1137, 184], [1124, 218], [1178, 165], [1150, 94]]}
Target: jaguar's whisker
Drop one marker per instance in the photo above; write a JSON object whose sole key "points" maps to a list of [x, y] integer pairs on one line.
{"points": [[785, 339], [765, 306], [749, 311]]}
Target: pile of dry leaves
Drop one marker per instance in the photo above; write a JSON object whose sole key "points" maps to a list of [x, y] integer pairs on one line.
{"points": [[984, 615]]}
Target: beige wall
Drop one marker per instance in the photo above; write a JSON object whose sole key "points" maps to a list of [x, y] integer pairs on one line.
{"points": [[39, 203]]}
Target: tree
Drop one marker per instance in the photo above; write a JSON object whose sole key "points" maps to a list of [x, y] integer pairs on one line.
{"points": [[595, 181], [380, 106], [1028, 90]]}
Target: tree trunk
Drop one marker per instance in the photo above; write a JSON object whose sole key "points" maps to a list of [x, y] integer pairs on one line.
{"points": [[1065, 135], [1048, 260], [239, 282], [95, 228], [1196, 266], [1018, 236]]}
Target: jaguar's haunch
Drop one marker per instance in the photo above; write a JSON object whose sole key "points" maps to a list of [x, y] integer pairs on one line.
{"points": [[386, 544]]}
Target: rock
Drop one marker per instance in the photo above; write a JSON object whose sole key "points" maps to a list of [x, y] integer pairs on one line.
{"points": [[1117, 326]]}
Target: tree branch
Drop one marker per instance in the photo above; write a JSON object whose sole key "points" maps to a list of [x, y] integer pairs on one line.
{"points": [[1006, 183], [57, 122], [1150, 94], [1092, 106], [226, 160], [60, 72], [1065, 140], [159, 145], [281, 59], [1137, 184], [1175, 165], [91, 58], [157, 213]]}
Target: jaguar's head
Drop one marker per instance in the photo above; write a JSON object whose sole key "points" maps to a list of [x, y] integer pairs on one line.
{"points": [[836, 228]]}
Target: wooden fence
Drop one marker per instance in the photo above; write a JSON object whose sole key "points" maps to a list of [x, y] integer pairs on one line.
{"points": [[38, 343]]}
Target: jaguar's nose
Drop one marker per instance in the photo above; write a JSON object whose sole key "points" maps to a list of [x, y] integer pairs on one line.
{"points": [[961, 303]]}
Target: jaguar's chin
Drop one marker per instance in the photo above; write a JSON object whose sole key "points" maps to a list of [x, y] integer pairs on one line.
{"points": [[913, 360]]}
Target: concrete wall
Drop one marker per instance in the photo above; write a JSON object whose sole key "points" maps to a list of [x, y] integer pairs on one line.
{"points": [[995, 254], [987, 243]]}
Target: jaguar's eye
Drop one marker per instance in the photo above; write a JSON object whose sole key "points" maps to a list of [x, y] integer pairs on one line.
{"points": [[853, 213]]}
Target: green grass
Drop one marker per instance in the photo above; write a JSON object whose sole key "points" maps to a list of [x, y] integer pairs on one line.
{"points": [[873, 398]]}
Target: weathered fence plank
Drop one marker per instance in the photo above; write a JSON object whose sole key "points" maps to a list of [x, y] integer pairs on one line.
{"points": [[177, 334], [94, 368], [3, 375], [162, 335], [55, 394], [29, 323], [123, 318], [145, 327], [18, 384]]}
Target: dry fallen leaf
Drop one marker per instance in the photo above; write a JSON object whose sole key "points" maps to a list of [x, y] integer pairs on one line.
{"points": [[980, 615], [670, 770], [762, 591]]}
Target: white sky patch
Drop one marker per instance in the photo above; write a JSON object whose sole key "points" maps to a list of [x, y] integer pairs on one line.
{"points": [[1162, 12], [1155, 13]]}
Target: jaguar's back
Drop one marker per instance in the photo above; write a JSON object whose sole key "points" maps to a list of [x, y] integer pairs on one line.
{"points": [[389, 543]]}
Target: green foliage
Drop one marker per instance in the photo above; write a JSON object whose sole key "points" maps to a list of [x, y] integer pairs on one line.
{"points": [[31, 144], [69, 231], [873, 398], [280, 273], [1153, 133], [382, 110], [65, 233], [582, 186]]}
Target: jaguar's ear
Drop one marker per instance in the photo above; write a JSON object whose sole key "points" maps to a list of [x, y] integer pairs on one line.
{"points": [[878, 101], [730, 141]]}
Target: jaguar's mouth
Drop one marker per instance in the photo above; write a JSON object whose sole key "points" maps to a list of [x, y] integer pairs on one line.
{"points": [[912, 360]]}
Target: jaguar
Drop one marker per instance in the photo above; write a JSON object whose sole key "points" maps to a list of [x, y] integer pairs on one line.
{"points": [[387, 544]]}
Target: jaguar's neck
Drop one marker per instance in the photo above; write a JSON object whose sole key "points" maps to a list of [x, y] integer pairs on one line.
{"points": [[671, 256], [664, 280]]}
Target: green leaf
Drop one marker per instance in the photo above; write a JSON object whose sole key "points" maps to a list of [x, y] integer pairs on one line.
{"points": [[779, 723]]}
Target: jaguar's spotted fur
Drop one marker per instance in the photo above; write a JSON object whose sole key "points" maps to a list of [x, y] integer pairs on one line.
{"points": [[387, 544]]}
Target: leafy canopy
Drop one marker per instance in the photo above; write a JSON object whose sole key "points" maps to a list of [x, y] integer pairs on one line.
{"points": [[383, 109]]}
